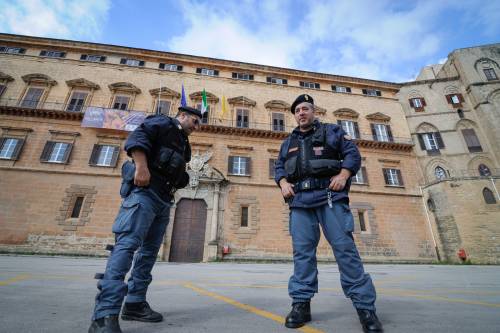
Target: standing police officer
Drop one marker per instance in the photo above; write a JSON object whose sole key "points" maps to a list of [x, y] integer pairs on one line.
{"points": [[313, 171], [160, 150]]}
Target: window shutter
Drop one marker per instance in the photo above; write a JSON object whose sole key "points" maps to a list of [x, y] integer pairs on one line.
{"points": [[317, 86], [249, 166], [17, 149], [83, 57], [348, 89], [179, 68], [379, 93], [67, 153], [374, 133], [356, 130], [365, 174], [250, 77], [423, 101], [389, 132], [334, 88], [285, 81], [439, 140], [460, 98], [364, 91], [116, 154], [271, 167], [472, 140], [2, 140], [448, 99], [421, 141], [63, 54], [161, 65], [95, 154], [141, 63], [301, 83], [411, 102], [49, 145], [268, 79], [216, 72], [198, 70], [2, 89], [123, 61], [43, 53], [230, 163], [235, 75], [386, 177], [400, 179]]}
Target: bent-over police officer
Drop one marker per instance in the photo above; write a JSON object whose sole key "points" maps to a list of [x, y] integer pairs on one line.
{"points": [[313, 170], [160, 150]]}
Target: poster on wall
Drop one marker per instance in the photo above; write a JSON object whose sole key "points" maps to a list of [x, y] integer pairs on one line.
{"points": [[113, 119]]}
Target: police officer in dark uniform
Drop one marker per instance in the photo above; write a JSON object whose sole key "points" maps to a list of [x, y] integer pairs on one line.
{"points": [[160, 150], [314, 168]]}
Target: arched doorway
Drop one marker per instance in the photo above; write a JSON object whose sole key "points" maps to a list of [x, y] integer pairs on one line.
{"points": [[188, 235]]}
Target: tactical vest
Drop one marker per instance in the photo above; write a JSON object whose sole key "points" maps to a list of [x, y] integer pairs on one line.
{"points": [[312, 156]]}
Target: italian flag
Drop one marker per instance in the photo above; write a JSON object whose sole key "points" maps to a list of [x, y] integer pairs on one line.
{"points": [[204, 104]]}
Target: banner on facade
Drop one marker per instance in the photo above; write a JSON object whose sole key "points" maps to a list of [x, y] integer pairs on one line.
{"points": [[114, 119]]}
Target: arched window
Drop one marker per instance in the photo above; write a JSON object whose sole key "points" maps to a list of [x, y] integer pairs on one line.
{"points": [[431, 205], [484, 170], [489, 198], [440, 173]]}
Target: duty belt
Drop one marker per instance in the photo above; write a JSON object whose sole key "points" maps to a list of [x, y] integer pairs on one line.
{"points": [[311, 184], [161, 186]]}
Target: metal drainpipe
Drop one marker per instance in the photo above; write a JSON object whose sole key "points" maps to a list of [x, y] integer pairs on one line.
{"points": [[495, 187]]}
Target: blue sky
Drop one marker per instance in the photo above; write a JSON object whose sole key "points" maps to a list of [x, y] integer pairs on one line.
{"points": [[387, 40]]}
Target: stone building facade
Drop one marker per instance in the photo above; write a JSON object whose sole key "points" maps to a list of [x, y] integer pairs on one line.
{"points": [[453, 112], [59, 181]]}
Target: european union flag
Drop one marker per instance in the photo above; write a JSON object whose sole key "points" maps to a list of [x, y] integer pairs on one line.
{"points": [[183, 97]]}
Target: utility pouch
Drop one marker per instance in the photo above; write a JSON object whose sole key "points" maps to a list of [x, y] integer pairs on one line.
{"points": [[324, 167], [128, 173]]}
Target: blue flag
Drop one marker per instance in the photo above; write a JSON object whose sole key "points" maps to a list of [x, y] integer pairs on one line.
{"points": [[183, 97]]}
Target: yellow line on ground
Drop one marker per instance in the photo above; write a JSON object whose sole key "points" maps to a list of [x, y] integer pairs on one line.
{"points": [[14, 279], [249, 308]]}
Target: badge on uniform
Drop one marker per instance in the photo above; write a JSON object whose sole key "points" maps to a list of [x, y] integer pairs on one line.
{"points": [[348, 137], [318, 151]]}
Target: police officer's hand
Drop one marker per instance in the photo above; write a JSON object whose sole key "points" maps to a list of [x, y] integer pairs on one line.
{"points": [[142, 176], [337, 182], [286, 189]]}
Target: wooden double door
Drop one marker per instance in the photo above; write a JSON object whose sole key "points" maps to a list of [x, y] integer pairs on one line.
{"points": [[188, 236]]}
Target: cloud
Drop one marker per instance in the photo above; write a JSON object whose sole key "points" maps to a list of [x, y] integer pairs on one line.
{"points": [[54, 18]]}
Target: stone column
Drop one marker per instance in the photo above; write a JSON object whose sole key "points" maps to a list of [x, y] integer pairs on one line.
{"points": [[213, 243]]}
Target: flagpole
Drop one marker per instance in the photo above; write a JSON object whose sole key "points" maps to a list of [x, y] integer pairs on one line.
{"points": [[159, 99]]}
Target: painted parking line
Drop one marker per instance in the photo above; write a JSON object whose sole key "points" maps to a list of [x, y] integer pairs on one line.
{"points": [[249, 308], [15, 279]]}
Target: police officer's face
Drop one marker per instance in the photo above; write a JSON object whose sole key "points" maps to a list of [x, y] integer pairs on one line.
{"points": [[189, 122], [304, 115]]}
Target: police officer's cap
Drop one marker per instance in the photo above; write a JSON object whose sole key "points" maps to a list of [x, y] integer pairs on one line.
{"points": [[190, 110], [301, 99]]}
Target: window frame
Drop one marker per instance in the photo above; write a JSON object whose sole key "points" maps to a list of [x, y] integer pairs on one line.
{"points": [[93, 58], [342, 89], [243, 76], [276, 80], [52, 54], [310, 85], [242, 117], [33, 104], [393, 177], [11, 49], [95, 156], [350, 127], [16, 150], [487, 72], [278, 117], [48, 150], [372, 92], [117, 96], [239, 166], [77, 106]]}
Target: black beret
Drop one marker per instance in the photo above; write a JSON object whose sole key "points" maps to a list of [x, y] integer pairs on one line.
{"points": [[190, 110], [301, 99]]}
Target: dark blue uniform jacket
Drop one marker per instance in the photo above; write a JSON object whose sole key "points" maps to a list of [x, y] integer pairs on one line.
{"points": [[351, 160]]}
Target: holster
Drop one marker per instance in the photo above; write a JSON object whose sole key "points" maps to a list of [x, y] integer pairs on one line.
{"points": [[128, 173]]}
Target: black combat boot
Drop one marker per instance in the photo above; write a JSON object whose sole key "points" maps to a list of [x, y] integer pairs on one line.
{"points": [[140, 311], [369, 321], [107, 324], [299, 316]]}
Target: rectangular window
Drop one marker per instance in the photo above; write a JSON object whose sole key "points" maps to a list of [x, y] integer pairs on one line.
{"points": [[372, 92], [455, 99], [417, 103], [310, 85], [360, 177], [272, 161], [278, 122], [341, 89], [472, 140], [10, 148], [53, 54], [244, 216], [350, 127], [490, 74], [239, 165], [207, 71], [132, 62], [392, 177], [204, 115], [77, 207], [77, 101], [58, 152], [431, 142], [242, 118], [243, 76], [93, 57], [104, 155], [163, 107], [381, 132], [12, 50], [170, 67], [362, 220], [32, 97], [276, 80], [121, 102]]}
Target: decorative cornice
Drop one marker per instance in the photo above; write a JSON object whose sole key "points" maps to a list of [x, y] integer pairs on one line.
{"points": [[378, 116], [277, 104], [319, 110], [407, 147], [445, 79], [249, 132], [81, 82], [197, 96], [56, 132], [5, 77], [242, 100], [124, 86], [166, 92], [240, 147], [39, 78], [345, 113]]}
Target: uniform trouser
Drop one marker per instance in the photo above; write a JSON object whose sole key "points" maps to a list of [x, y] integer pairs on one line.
{"points": [[140, 225], [337, 224]]}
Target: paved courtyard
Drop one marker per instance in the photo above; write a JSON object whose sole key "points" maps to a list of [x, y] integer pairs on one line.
{"points": [[55, 294]]}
